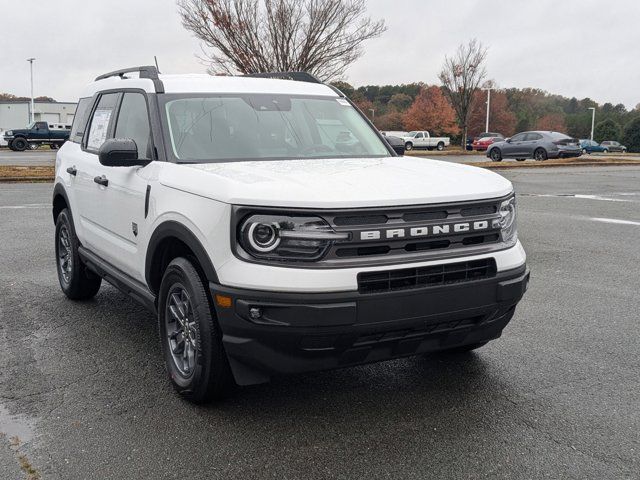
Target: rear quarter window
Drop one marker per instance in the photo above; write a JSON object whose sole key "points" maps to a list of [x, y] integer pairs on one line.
{"points": [[80, 120]]}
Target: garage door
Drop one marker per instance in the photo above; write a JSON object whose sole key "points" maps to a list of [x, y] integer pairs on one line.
{"points": [[50, 117]]}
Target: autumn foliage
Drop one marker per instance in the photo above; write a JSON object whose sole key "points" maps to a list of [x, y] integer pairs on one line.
{"points": [[553, 122], [501, 118], [431, 111]]}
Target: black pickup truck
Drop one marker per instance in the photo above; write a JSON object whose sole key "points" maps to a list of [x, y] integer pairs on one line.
{"points": [[36, 134]]}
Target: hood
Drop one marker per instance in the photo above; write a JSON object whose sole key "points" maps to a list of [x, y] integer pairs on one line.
{"points": [[336, 183]]}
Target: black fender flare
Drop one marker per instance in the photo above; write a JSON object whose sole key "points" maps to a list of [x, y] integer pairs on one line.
{"points": [[59, 191], [173, 229]]}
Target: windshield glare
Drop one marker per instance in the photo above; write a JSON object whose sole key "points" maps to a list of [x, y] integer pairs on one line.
{"points": [[255, 126]]}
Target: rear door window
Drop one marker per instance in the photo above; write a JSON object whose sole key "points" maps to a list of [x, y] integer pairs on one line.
{"points": [[101, 121]]}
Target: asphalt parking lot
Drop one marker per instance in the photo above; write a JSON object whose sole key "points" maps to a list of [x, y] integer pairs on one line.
{"points": [[83, 388]]}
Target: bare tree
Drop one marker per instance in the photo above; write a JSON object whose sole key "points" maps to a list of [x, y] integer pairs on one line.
{"points": [[322, 37], [461, 77]]}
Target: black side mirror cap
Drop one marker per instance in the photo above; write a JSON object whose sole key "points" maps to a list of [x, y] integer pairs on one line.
{"points": [[120, 152]]}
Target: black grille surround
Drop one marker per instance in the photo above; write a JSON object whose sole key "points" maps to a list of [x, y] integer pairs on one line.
{"points": [[398, 249], [420, 277]]}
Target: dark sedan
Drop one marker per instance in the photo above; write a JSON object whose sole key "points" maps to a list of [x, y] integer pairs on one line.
{"points": [[538, 145]]}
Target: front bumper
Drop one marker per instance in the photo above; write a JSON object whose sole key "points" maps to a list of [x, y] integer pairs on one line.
{"points": [[298, 332]]}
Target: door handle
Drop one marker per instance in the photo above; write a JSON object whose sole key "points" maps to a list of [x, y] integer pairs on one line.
{"points": [[72, 171], [101, 180]]}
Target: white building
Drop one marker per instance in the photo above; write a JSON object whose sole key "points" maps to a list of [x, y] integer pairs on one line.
{"points": [[16, 114]]}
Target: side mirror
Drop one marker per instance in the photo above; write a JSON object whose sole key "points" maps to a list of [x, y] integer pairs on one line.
{"points": [[120, 152]]}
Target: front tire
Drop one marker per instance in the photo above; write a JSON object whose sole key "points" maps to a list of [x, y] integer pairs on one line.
{"points": [[540, 154], [19, 144], [76, 281], [408, 146], [191, 338], [495, 155], [606, 150]]}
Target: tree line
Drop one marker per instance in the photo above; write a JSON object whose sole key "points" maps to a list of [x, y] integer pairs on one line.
{"points": [[418, 106]]}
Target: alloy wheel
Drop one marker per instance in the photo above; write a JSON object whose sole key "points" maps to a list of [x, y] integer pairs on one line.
{"points": [[181, 330], [65, 256]]}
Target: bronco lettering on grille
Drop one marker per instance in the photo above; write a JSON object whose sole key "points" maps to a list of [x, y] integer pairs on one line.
{"points": [[442, 229]]}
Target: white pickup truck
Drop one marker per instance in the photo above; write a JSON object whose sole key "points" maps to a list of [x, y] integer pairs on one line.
{"points": [[423, 139]]}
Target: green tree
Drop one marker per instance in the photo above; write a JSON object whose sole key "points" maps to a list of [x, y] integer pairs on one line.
{"points": [[631, 136], [606, 130]]}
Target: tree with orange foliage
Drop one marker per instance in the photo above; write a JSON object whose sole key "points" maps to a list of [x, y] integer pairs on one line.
{"points": [[501, 118], [431, 111], [553, 122]]}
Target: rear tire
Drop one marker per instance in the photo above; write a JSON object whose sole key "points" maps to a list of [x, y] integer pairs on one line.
{"points": [[520, 159], [76, 281], [440, 146], [191, 338], [496, 155], [606, 150], [540, 154], [19, 144]]}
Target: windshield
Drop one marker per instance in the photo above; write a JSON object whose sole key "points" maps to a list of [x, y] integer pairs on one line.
{"points": [[31, 126], [222, 128], [411, 134]]}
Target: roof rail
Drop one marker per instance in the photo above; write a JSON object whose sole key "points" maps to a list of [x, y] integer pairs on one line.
{"points": [[297, 76], [148, 71]]}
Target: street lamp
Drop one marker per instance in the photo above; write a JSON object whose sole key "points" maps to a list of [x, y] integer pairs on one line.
{"points": [[488, 89], [30, 60], [593, 120], [373, 114]]}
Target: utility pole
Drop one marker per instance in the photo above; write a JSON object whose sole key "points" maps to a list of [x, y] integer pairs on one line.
{"points": [[373, 115], [488, 89], [30, 60], [593, 120]]}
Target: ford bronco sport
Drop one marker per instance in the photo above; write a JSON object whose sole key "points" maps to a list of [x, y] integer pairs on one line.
{"points": [[272, 230]]}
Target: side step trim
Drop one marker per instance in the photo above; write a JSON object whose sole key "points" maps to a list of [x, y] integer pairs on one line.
{"points": [[123, 282]]}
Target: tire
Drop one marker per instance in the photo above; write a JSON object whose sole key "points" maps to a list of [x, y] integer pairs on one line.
{"points": [[19, 144], [191, 338], [540, 154], [34, 146], [408, 146], [624, 150], [440, 146], [606, 150], [496, 155], [584, 151], [54, 146], [76, 281], [520, 159]]}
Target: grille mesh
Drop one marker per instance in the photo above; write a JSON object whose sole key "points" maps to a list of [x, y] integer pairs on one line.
{"points": [[408, 278]]}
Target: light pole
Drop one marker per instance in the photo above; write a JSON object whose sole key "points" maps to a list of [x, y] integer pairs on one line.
{"points": [[30, 60], [488, 89], [593, 120], [373, 115]]}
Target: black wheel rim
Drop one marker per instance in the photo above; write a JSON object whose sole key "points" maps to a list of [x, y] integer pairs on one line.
{"points": [[539, 155], [495, 155], [65, 258], [181, 330]]}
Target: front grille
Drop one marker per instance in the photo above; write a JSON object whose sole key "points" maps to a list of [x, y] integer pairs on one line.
{"points": [[403, 245], [408, 278]]}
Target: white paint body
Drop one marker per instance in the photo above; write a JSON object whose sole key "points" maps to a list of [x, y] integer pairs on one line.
{"points": [[423, 139], [200, 196]]}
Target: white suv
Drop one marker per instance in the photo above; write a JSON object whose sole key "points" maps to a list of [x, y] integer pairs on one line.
{"points": [[273, 230]]}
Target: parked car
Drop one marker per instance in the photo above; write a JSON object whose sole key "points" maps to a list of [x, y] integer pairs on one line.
{"points": [[538, 145], [281, 254], [612, 146], [423, 139], [471, 139], [36, 134], [589, 146], [396, 143], [482, 143]]}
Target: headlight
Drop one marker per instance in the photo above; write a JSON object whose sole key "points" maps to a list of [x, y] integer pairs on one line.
{"points": [[8, 133], [507, 220], [283, 237]]}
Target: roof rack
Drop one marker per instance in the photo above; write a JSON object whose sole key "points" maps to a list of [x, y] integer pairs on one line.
{"points": [[148, 71], [297, 76]]}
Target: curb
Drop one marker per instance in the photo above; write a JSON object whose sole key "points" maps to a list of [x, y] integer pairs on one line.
{"points": [[509, 166], [26, 179]]}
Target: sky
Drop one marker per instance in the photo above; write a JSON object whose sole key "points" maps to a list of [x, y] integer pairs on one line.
{"points": [[581, 48]]}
